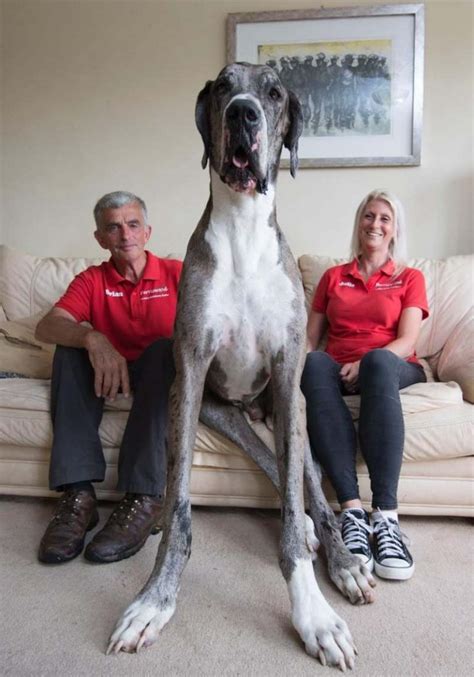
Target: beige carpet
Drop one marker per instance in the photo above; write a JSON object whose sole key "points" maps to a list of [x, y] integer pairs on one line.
{"points": [[232, 616]]}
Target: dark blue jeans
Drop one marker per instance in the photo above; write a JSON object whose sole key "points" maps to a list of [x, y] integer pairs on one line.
{"points": [[381, 430], [76, 413]]}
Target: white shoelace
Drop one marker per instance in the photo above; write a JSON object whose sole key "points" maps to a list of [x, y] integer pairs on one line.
{"points": [[389, 538], [353, 531]]}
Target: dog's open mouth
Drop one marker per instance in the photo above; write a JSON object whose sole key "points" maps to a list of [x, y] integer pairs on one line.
{"points": [[240, 158], [240, 170]]}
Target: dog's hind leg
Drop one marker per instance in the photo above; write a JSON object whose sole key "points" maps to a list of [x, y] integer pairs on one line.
{"points": [[346, 571], [352, 578], [230, 421], [156, 602], [325, 635]]}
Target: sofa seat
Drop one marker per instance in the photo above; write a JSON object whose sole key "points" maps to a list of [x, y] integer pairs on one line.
{"points": [[223, 475]]}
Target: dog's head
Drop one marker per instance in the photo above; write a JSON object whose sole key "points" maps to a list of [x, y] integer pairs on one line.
{"points": [[244, 117]]}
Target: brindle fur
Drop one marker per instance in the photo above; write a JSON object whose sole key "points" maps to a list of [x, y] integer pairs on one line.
{"points": [[201, 385]]}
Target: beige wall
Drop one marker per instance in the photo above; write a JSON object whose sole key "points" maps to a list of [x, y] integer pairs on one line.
{"points": [[99, 95]]}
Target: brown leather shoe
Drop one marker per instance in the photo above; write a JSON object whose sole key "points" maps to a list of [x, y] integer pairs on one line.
{"points": [[75, 514], [125, 532]]}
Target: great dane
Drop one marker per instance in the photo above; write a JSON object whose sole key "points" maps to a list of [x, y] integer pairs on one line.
{"points": [[241, 325]]}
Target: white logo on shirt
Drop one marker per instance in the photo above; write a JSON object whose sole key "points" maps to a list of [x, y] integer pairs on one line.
{"points": [[113, 293], [156, 293], [156, 290], [346, 284], [389, 285]]}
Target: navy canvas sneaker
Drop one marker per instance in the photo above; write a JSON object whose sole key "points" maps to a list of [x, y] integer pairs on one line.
{"points": [[392, 558], [356, 530]]}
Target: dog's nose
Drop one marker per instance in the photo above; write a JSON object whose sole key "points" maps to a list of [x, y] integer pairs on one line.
{"points": [[243, 110]]}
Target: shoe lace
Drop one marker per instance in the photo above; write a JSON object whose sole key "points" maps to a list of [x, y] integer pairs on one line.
{"points": [[67, 508], [389, 538], [355, 531], [125, 509]]}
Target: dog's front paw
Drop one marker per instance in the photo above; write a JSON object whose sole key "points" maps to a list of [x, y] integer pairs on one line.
{"points": [[139, 627], [325, 635], [354, 580]]}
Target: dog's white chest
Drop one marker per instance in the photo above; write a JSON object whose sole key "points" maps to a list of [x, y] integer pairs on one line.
{"points": [[250, 303]]}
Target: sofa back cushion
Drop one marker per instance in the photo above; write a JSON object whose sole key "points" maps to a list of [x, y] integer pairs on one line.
{"points": [[448, 286], [29, 284]]}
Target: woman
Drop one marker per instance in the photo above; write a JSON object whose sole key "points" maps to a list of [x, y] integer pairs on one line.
{"points": [[373, 308]]}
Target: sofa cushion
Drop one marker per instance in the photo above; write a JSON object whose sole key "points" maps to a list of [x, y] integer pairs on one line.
{"points": [[30, 284], [456, 361], [438, 423], [20, 352]]}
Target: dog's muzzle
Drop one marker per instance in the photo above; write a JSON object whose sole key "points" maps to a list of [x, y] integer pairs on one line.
{"points": [[241, 167]]}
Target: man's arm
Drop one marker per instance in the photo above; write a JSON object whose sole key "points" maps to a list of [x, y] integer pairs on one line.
{"points": [[60, 327], [111, 372]]}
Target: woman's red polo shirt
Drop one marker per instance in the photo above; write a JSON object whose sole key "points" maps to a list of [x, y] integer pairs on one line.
{"points": [[363, 315], [131, 316]]}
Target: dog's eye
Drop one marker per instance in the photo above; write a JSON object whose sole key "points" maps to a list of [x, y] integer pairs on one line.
{"points": [[222, 87], [275, 94]]}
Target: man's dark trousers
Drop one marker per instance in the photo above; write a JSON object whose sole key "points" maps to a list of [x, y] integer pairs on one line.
{"points": [[76, 413]]}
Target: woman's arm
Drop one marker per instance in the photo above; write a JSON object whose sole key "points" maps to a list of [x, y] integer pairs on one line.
{"points": [[403, 346], [315, 329], [408, 331]]}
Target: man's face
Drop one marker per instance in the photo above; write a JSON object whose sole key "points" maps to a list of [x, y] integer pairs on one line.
{"points": [[124, 232]]}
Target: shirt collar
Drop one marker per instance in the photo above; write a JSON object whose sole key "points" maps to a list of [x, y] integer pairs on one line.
{"points": [[152, 270], [352, 269]]}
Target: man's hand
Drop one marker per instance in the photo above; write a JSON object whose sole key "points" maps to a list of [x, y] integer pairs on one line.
{"points": [[111, 372], [349, 374]]}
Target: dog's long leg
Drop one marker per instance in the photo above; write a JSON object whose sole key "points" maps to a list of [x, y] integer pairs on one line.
{"points": [[352, 578], [156, 602], [323, 632], [346, 571], [231, 422]]}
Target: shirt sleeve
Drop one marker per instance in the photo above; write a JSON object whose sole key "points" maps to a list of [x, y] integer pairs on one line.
{"points": [[415, 295], [179, 269], [77, 298], [320, 300]]}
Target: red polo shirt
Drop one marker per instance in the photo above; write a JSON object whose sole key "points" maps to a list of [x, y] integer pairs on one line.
{"points": [[131, 316], [363, 315]]}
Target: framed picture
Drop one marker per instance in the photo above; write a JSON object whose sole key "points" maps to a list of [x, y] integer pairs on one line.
{"points": [[358, 73]]}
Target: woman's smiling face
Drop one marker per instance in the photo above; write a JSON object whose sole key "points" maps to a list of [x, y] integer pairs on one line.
{"points": [[376, 227]]}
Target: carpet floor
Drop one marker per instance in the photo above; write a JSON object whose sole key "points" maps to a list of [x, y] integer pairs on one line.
{"points": [[232, 616]]}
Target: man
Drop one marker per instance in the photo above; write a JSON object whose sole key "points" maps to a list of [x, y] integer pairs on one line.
{"points": [[129, 303]]}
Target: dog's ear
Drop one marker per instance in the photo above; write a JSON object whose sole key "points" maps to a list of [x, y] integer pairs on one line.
{"points": [[202, 120], [294, 131]]}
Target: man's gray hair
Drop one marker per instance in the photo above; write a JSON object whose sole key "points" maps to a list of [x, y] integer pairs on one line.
{"points": [[398, 246], [115, 200]]}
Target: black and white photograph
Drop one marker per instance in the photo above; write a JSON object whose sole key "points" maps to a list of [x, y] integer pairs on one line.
{"points": [[357, 72], [344, 87]]}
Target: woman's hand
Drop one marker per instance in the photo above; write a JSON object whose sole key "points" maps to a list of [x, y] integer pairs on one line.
{"points": [[350, 374]]}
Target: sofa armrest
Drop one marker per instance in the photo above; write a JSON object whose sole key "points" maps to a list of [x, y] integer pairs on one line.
{"points": [[456, 362]]}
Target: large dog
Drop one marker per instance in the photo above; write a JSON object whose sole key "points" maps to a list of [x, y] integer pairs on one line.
{"points": [[241, 323]]}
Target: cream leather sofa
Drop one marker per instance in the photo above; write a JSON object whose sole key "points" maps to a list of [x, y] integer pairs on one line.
{"points": [[437, 473]]}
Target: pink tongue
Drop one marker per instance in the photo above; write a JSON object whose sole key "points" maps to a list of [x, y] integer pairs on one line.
{"points": [[239, 163]]}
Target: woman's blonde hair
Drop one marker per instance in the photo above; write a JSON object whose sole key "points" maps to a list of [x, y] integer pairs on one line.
{"points": [[398, 246]]}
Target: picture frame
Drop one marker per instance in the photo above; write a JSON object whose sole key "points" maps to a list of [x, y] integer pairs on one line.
{"points": [[358, 72]]}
